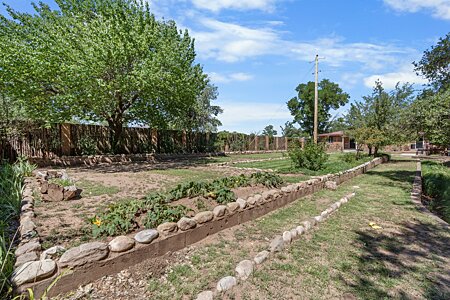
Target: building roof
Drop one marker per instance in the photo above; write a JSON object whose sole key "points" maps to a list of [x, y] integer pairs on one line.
{"points": [[336, 133]]}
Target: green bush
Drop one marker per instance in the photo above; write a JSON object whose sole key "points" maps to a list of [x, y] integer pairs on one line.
{"points": [[348, 157], [87, 145], [436, 184], [311, 157]]}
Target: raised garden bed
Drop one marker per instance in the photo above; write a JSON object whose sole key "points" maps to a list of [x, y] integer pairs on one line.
{"points": [[98, 258]]}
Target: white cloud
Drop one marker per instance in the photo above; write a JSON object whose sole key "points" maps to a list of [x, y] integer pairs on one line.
{"points": [[389, 80], [241, 113], [439, 8], [217, 5], [222, 78], [232, 43]]}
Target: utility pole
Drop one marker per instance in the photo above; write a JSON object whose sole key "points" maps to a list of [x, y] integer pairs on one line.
{"points": [[316, 99]]}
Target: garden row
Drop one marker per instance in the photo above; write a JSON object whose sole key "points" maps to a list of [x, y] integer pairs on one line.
{"points": [[95, 259]]}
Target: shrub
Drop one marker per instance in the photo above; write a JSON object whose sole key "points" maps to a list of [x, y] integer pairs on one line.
{"points": [[436, 183], [88, 145], [311, 157], [348, 157]]}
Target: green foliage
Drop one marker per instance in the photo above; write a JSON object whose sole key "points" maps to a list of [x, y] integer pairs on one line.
{"points": [[348, 157], [87, 145], [429, 114], [61, 182], [435, 62], [436, 184], [122, 217], [99, 60], [269, 131], [312, 156], [11, 183], [331, 96], [375, 121], [289, 130]]}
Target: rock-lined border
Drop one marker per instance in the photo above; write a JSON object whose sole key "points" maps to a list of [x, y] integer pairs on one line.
{"points": [[93, 260], [246, 267], [416, 195]]}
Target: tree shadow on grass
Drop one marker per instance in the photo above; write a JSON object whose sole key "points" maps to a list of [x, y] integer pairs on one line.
{"points": [[389, 257]]}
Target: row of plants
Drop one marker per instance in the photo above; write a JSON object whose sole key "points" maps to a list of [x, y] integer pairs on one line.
{"points": [[125, 216], [11, 185], [436, 185]]}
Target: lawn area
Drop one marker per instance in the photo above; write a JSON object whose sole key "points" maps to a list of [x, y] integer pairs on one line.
{"points": [[333, 165], [343, 258]]}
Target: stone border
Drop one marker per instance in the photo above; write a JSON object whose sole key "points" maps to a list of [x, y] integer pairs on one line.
{"points": [[416, 195], [90, 261], [29, 245], [246, 267]]}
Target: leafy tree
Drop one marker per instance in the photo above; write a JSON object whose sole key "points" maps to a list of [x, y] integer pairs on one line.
{"points": [[337, 124], [301, 107], [429, 114], [375, 120], [269, 131], [435, 64], [289, 130], [202, 116], [99, 60]]}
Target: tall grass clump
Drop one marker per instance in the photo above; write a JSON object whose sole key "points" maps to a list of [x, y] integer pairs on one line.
{"points": [[436, 184], [11, 185]]}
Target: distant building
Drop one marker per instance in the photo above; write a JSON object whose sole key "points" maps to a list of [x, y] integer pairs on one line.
{"points": [[337, 141]]}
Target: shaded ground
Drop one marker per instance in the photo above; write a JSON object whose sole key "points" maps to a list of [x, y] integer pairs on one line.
{"points": [[344, 258]]}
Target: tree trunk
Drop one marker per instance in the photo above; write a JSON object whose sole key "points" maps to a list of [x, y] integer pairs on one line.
{"points": [[115, 135], [370, 150], [375, 152]]}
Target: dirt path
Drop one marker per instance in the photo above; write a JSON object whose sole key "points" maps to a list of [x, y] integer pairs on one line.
{"points": [[344, 258]]}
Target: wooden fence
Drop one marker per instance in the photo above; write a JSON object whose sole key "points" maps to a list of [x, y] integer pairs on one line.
{"points": [[80, 139]]}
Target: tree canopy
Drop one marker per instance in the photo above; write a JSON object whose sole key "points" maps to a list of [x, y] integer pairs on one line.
{"points": [[435, 64], [331, 96], [269, 131], [99, 60], [375, 121]]}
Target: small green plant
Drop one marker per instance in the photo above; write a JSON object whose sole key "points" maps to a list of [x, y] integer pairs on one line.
{"points": [[61, 182], [349, 157], [24, 167], [87, 145], [312, 157], [200, 205]]}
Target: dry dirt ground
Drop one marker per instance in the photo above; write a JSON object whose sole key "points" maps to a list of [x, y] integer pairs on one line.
{"points": [[66, 223], [343, 258]]}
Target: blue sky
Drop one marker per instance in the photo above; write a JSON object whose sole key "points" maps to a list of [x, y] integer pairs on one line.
{"points": [[258, 51]]}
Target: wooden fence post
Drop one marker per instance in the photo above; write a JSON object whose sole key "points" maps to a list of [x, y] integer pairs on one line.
{"points": [[154, 139], [285, 143], [276, 142], [66, 139], [267, 143], [256, 143]]}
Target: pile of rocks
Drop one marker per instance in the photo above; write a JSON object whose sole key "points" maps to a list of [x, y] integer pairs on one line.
{"points": [[54, 191], [246, 267]]}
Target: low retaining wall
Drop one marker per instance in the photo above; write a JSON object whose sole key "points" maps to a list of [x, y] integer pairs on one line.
{"points": [[244, 210]]}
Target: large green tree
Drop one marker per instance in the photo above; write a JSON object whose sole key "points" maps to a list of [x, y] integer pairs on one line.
{"points": [[99, 60], [429, 115], [375, 121], [269, 131], [331, 96], [435, 64]]}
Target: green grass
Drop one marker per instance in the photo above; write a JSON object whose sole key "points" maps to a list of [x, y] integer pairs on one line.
{"points": [[342, 258], [436, 184], [333, 165], [237, 157], [92, 189], [346, 258]]}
